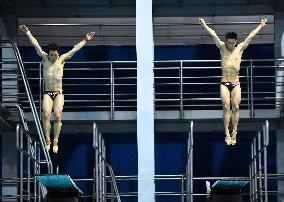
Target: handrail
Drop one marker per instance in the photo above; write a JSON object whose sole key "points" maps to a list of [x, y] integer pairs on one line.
{"points": [[189, 165], [33, 108], [22, 116], [100, 161], [157, 61], [30, 152], [113, 80], [113, 182], [258, 165]]}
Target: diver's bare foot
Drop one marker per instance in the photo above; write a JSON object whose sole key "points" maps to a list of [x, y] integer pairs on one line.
{"points": [[47, 146], [228, 137], [228, 140], [55, 146], [234, 137]]}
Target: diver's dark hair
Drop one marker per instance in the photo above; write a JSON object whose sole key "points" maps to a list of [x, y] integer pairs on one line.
{"points": [[231, 35], [52, 47]]}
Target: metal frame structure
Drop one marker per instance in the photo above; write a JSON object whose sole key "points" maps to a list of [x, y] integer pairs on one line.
{"points": [[21, 72], [101, 179], [100, 192], [257, 169], [258, 165], [30, 164], [180, 103], [189, 166], [29, 148], [173, 81]]}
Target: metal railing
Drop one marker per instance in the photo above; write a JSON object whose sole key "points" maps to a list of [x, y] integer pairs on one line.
{"points": [[189, 177], [133, 180], [100, 192], [26, 90], [258, 176], [257, 169], [179, 85], [30, 162], [258, 165], [184, 180], [33, 108], [181, 179], [189, 166], [112, 80], [20, 114]]}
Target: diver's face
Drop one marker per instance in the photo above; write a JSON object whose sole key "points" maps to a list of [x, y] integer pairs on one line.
{"points": [[231, 44], [53, 55]]}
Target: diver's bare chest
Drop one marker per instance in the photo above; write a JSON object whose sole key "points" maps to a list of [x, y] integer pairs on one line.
{"points": [[231, 55], [54, 68]]}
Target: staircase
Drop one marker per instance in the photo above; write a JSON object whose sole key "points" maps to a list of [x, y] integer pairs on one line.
{"points": [[23, 154]]}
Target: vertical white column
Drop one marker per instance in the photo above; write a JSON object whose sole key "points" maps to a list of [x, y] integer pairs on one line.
{"points": [[145, 101], [280, 77], [280, 162], [279, 53]]}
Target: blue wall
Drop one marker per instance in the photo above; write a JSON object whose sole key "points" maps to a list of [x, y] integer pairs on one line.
{"points": [[96, 53], [122, 53], [209, 52]]}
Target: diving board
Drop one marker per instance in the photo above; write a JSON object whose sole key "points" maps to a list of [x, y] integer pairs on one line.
{"points": [[59, 188], [227, 190]]}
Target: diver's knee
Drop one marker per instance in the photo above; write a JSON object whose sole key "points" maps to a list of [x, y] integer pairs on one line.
{"points": [[46, 115], [235, 108], [57, 117], [226, 108]]}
